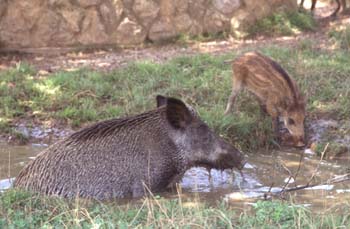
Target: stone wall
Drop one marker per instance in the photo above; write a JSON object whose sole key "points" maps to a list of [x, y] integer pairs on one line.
{"points": [[67, 23]]}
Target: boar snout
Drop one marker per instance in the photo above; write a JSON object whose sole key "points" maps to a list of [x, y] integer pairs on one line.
{"points": [[230, 157], [299, 142], [294, 123]]}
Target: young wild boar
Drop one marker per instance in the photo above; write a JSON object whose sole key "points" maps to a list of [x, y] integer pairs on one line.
{"points": [[117, 157], [277, 93]]}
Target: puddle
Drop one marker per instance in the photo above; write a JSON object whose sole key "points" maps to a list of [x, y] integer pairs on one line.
{"points": [[264, 172]]}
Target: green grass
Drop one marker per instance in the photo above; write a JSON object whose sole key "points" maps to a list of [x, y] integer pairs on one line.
{"points": [[185, 39], [204, 81], [24, 210], [341, 37], [283, 23]]}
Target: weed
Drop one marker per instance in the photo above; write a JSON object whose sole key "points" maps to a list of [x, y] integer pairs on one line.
{"points": [[282, 24], [187, 38], [204, 81], [341, 37], [20, 209]]}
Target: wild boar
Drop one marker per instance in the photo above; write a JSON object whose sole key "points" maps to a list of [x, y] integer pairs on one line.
{"points": [[340, 4], [313, 4], [119, 157], [276, 91]]}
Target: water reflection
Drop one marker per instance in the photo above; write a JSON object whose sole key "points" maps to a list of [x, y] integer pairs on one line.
{"points": [[264, 172]]}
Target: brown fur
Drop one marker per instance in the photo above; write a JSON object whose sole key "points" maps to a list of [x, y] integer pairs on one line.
{"points": [[276, 91], [118, 157]]}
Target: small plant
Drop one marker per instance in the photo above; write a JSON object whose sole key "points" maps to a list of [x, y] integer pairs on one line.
{"points": [[282, 24], [20, 209], [187, 38], [341, 37]]}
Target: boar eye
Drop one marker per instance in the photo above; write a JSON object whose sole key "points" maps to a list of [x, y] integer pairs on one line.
{"points": [[291, 121]]}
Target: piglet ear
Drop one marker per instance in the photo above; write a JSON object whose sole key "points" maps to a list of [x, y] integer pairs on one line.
{"points": [[177, 113], [161, 100]]}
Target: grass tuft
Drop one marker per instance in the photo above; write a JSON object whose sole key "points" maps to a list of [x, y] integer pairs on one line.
{"points": [[341, 37], [283, 24], [20, 209], [204, 81]]}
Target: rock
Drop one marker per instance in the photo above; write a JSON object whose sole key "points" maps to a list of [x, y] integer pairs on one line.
{"points": [[284, 5], [226, 6], [146, 11], [23, 130], [119, 9], [60, 3], [63, 36], [73, 18], [108, 16], [3, 7], [25, 12], [215, 22], [45, 23], [161, 31], [196, 28], [128, 3], [240, 22], [197, 8], [93, 31], [129, 33], [183, 23], [15, 26], [167, 9], [48, 25], [88, 3], [181, 6]]}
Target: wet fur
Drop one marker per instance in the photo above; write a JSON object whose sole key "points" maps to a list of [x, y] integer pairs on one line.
{"points": [[119, 157]]}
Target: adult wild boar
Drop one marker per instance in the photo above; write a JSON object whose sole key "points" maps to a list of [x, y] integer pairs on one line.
{"points": [[117, 157], [276, 91]]}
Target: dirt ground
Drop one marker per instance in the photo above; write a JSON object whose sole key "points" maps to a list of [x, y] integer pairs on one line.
{"points": [[51, 60]]}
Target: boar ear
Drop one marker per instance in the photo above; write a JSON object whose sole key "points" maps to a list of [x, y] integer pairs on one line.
{"points": [[177, 113], [161, 100]]}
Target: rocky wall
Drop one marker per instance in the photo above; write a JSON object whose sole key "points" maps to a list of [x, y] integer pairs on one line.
{"points": [[70, 23]]}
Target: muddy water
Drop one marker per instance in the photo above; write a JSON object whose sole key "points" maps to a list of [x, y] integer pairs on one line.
{"points": [[264, 172]]}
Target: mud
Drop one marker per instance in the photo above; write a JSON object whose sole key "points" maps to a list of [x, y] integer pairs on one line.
{"points": [[264, 176]]}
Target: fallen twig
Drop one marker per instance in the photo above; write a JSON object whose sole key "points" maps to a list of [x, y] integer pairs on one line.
{"points": [[318, 165], [335, 180], [290, 173]]}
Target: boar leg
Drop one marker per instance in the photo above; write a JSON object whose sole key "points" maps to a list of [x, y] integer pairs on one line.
{"points": [[274, 115], [313, 5], [263, 108], [138, 189], [343, 5], [237, 85], [337, 9], [275, 126]]}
